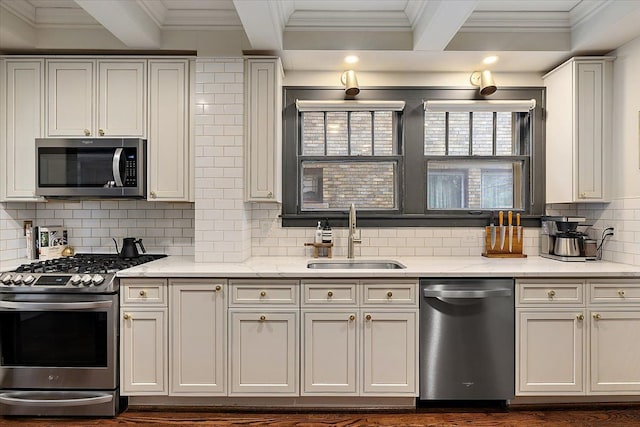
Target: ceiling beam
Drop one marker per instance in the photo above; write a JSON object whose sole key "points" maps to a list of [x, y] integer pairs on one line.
{"points": [[608, 27], [264, 22], [126, 20], [437, 21]]}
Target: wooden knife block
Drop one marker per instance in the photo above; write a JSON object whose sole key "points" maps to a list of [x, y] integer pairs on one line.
{"points": [[500, 251]]}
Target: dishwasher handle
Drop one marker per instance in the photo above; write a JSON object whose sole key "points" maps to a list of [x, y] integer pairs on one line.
{"points": [[466, 293]]}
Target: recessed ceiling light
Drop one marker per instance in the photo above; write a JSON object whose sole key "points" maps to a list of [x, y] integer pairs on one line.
{"points": [[490, 59], [351, 59]]}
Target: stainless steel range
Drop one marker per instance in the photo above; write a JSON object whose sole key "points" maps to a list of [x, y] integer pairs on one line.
{"points": [[59, 336]]}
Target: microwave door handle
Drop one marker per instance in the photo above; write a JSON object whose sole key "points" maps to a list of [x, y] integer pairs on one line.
{"points": [[12, 305], [116, 167]]}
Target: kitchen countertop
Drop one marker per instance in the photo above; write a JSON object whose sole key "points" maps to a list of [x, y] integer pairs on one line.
{"points": [[296, 267]]}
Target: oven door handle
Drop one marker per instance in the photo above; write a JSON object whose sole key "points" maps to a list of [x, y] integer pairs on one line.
{"points": [[84, 305], [15, 399]]}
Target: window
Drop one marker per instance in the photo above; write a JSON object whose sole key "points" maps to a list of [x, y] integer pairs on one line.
{"points": [[412, 156]]}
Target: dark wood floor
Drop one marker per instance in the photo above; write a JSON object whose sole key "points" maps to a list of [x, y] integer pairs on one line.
{"points": [[614, 416]]}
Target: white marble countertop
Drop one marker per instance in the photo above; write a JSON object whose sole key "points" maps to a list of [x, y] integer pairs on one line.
{"points": [[296, 267]]}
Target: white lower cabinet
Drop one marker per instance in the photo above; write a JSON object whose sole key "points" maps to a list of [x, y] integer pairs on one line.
{"points": [[264, 353], [330, 357], [389, 353], [143, 337], [198, 337], [264, 337], [579, 347], [359, 338]]}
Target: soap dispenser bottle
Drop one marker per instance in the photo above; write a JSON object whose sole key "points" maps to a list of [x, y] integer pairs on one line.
{"points": [[327, 233], [318, 235]]}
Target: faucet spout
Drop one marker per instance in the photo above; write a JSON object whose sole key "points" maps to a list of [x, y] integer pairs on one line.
{"points": [[352, 239]]}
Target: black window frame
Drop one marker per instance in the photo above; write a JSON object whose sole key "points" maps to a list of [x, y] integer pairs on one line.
{"points": [[412, 192]]}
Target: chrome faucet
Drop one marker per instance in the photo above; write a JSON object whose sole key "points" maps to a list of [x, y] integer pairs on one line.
{"points": [[352, 239]]}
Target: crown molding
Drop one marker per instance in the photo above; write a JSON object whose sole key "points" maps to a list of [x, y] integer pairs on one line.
{"points": [[378, 20], [22, 9], [155, 9], [521, 20]]}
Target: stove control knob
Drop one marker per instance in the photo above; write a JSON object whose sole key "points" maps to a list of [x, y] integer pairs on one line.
{"points": [[6, 279], [29, 280], [75, 279], [86, 280], [97, 279], [18, 279]]}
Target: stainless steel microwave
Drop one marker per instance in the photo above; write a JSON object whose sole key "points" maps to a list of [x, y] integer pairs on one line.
{"points": [[91, 168]]}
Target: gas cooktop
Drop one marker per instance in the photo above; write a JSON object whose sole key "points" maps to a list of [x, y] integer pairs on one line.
{"points": [[93, 273]]}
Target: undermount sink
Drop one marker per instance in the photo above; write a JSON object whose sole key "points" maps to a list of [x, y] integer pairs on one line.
{"points": [[356, 264]]}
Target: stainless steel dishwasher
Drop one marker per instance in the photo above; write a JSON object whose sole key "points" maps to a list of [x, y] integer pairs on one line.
{"points": [[467, 339]]}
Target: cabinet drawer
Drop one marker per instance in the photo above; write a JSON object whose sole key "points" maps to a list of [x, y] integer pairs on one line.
{"points": [[264, 292], [552, 292], [329, 293], [147, 292], [389, 293], [613, 291]]}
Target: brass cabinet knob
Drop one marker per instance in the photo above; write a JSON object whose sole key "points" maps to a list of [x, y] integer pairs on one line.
{"points": [[87, 132], [621, 292], [218, 287], [330, 294], [597, 316], [580, 317], [143, 293], [263, 293], [270, 195], [126, 316], [100, 132], [263, 318], [551, 293], [583, 195], [352, 317], [368, 317], [153, 194], [389, 294]]}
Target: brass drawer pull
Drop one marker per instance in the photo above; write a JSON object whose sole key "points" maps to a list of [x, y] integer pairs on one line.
{"points": [[143, 293], [580, 317], [597, 316], [218, 287], [368, 317], [263, 318], [352, 317], [263, 293], [330, 294], [126, 316], [389, 294], [551, 293], [621, 292]]}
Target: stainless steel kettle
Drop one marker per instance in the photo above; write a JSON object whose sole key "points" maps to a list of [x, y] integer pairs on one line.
{"points": [[129, 249], [569, 245]]}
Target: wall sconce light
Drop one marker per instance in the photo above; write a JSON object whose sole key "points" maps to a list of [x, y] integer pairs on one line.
{"points": [[484, 79], [350, 83]]}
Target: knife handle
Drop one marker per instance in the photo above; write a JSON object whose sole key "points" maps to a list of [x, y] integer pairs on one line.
{"points": [[510, 217], [518, 219], [500, 218]]}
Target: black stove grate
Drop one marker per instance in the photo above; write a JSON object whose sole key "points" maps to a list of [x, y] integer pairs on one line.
{"points": [[86, 264]]}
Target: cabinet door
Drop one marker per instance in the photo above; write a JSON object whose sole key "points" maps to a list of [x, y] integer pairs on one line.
{"points": [[143, 352], [263, 133], [389, 350], [550, 356], [21, 123], [615, 351], [122, 98], [168, 142], [589, 129], [264, 353], [198, 337], [329, 353], [70, 98]]}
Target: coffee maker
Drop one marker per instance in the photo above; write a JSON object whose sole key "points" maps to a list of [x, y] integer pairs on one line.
{"points": [[561, 240]]}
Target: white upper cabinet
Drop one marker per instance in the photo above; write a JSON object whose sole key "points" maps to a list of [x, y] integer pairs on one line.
{"points": [[21, 122], [578, 130], [169, 149], [96, 98], [70, 98], [122, 94], [263, 129]]}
